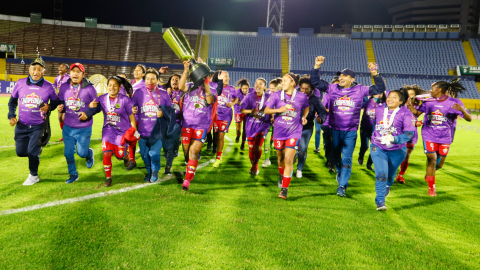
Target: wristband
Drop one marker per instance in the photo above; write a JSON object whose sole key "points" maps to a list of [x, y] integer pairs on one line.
{"points": [[207, 80]]}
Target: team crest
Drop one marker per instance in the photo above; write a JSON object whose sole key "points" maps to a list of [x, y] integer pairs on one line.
{"points": [[344, 103], [292, 141], [120, 152], [31, 101], [150, 109], [199, 133]]}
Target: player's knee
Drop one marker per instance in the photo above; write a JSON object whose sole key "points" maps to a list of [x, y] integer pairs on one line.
{"points": [[107, 154]]}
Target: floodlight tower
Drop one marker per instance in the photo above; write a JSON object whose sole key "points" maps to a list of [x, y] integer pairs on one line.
{"points": [[275, 15]]}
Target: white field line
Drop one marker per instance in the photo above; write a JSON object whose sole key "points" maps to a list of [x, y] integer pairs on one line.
{"points": [[8, 146], [103, 194]]}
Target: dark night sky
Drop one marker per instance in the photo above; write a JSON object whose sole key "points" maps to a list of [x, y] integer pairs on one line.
{"points": [[232, 15]]}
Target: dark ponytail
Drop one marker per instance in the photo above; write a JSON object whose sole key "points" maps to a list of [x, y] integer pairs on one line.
{"points": [[126, 84], [295, 77], [418, 91], [242, 82], [402, 94], [452, 88]]}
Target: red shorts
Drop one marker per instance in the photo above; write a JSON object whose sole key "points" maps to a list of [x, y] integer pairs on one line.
{"points": [[118, 151], [221, 126], [239, 117], [196, 134], [441, 149], [290, 143], [411, 145]]}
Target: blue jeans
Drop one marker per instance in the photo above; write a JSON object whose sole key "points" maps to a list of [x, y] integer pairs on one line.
{"points": [[302, 151], [365, 137], [151, 154], [26, 144], [327, 142], [318, 130], [343, 147], [386, 165], [79, 137]]}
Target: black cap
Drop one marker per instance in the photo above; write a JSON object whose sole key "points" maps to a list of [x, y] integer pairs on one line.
{"points": [[347, 72], [38, 61]]}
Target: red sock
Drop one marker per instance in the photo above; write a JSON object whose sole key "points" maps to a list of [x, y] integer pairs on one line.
{"points": [[257, 157], [131, 152], [251, 151], [239, 133], [61, 125], [403, 167], [107, 163], [191, 168], [430, 180], [286, 181], [219, 154], [281, 169]]}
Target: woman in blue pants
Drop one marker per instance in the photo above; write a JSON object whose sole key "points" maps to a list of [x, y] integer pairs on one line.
{"points": [[393, 128]]}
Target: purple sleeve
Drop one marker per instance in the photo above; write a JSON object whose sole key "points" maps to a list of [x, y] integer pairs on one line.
{"points": [[166, 98], [422, 107], [245, 103], [326, 101], [61, 94], [408, 123], [272, 101], [365, 90], [52, 95], [305, 103], [15, 90], [129, 105], [93, 94], [461, 104]]}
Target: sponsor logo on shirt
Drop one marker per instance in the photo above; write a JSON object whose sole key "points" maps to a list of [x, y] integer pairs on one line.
{"points": [[289, 114], [438, 106], [73, 104], [149, 109], [371, 113], [31, 101], [391, 130], [176, 107], [113, 118], [437, 118], [222, 99], [344, 103], [198, 100]]}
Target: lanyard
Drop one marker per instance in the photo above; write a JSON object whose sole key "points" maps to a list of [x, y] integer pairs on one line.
{"points": [[157, 102], [59, 82], [282, 96], [387, 125], [262, 101], [109, 106], [73, 92]]}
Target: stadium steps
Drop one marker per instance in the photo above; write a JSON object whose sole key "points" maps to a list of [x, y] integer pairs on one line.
{"points": [[370, 53], [284, 51], [205, 48], [472, 61]]}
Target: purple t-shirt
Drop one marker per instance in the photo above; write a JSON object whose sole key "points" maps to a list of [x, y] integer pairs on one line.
{"points": [[84, 97], [59, 80], [117, 121], [139, 85], [369, 113], [148, 107], [439, 119], [175, 98], [326, 104], [288, 125], [240, 97], [225, 113], [30, 97], [122, 91], [402, 122], [201, 117], [256, 126], [345, 106]]}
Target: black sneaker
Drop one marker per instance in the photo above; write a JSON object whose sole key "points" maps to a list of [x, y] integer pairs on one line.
{"points": [[126, 160], [108, 182], [295, 158], [237, 139], [167, 170], [242, 147], [209, 147], [331, 169], [360, 161], [280, 181], [283, 193], [131, 165]]}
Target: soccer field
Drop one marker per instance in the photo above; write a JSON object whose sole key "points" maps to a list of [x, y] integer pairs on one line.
{"points": [[230, 219]]}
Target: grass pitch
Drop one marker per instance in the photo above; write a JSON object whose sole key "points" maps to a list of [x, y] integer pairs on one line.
{"points": [[232, 220]]}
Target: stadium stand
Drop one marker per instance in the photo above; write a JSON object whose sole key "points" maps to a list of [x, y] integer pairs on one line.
{"points": [[248, 51], [475, 43], [251, 76]]}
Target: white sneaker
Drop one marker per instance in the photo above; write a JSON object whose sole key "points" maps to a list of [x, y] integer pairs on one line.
{"points": [[138, 151], [31, 180], [299, 174], [266, 163]]}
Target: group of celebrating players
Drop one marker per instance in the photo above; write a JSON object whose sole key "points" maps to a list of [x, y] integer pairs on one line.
{"points": [[157, 115]]}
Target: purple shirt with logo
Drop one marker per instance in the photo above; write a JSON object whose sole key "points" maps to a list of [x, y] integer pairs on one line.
{"points": [[439, 120], [256, 126], [115, 122], [139, 85], [345, 106], [288, 125], [225, 113], [240, 97], [59, 80], [175, 98], [369, 113], [85, 96], [201, 117], [30, 97], [326, 104], [148, 107], [402, 122]]}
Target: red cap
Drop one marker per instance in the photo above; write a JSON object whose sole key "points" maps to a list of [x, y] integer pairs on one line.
{"points": [[80, 66]]}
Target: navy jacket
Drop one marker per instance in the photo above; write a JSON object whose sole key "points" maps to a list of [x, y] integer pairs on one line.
{"points": [[165, 129], [316, 107]]}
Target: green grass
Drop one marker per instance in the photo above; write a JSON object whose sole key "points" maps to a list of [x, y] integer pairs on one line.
{"points": [[232, 220]]}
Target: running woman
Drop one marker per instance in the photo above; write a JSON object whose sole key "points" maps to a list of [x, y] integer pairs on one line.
{"points": [[257, 122], [393, 129], [226, 101], [59, 80], [317, 113], [197, 107], [118, 127], [413, 90], [34, 93], [366, 125], [75, 96], [273, 86], [437, 131], [139, 77], [291, 109], [175, 96], [346, 100], [243, 90], [147, 101]]}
